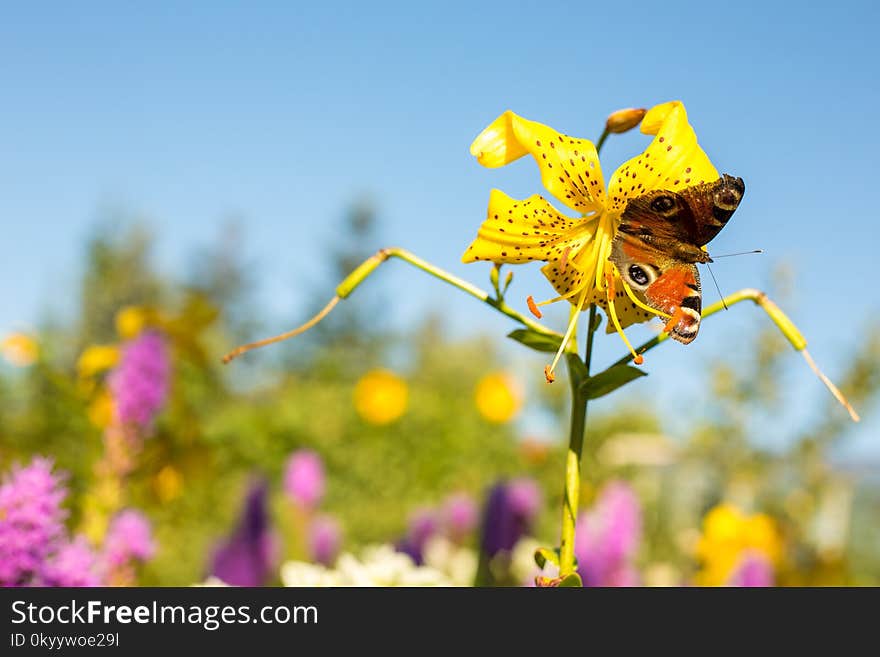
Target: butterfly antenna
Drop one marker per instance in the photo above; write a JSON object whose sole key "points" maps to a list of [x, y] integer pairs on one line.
{"points": [[714, 280], [728, 255]]}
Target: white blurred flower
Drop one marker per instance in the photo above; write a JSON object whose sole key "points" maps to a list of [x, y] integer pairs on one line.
{"points": [[522, 562], [379, 565], [456, 562], [300, 573], [211, 581]]}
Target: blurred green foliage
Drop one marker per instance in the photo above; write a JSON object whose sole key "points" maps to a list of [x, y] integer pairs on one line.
{"points": [[225, 425]]}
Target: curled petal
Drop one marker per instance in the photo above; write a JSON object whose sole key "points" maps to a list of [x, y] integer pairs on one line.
{"points": [[522, 231], [569, 167], [672, 161]]}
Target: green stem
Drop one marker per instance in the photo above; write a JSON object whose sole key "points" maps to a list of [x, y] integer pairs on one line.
{"points": [[602, 139], [367, 267], [783, 323], [577, 428], [789, 330], [360, 274], [572, 492]]}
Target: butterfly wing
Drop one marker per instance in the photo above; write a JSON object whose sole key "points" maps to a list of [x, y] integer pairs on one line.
{"points": [[677, 292], [690, 218], [660, 240], [666, 284], [710, 206]]}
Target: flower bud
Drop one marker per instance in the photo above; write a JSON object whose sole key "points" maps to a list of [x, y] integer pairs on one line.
{"points": [[624, 120]]}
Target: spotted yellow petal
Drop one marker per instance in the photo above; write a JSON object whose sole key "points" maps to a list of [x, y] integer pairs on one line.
{"points": [[672, 161], [628, 313], [569, 167], [586, 267], [522, 231]]}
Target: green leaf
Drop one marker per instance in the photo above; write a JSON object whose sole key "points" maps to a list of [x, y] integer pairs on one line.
{"points": [[543, 555], [571, 580], [535, 340], [610, 380]]}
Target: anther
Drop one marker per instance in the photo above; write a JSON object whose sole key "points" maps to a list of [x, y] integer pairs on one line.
{"points": [[612, 311], [533, 307]]}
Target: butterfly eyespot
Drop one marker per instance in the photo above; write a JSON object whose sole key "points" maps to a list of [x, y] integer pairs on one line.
{"points": [[638, 275], [663, 204]]}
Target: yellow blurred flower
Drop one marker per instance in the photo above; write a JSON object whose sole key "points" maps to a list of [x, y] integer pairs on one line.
{"points": [[130, 320], [96, 359], [380, 397], [20, 349], [101, 410], [727, 535], [497, 398], [168, 483]]}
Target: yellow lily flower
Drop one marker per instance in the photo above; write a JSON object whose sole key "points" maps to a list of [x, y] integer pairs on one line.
{"points": [[576, 249]]}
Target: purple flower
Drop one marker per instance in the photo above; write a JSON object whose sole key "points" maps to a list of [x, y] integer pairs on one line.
{"points": [[460, 516], [608, 536], [304, 478], [129, 538], [422, 526], [510, 511], [325, 537], [245, 559], [139, 384], [74, 564], [753, 570], [31, 521]]}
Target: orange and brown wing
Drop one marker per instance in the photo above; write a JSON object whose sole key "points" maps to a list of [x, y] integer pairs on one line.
{"points": [[693, 216], [677, 292]]}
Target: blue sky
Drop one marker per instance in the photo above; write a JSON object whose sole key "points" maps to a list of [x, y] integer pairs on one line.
{"points": [[284, 113]]}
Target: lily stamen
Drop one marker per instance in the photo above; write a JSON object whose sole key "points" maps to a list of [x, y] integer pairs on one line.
{"points": [[572, 324], [632, 297], [612, 312], [533, 307]]}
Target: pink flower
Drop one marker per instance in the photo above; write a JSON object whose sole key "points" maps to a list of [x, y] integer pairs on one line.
{"points": [[423, 524], [74, 564], [753, 570], [129, 538], [524, 496], [325, 538], [31, 522], [607, 538], [304, 478], [139, 384], [460, 515]]}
